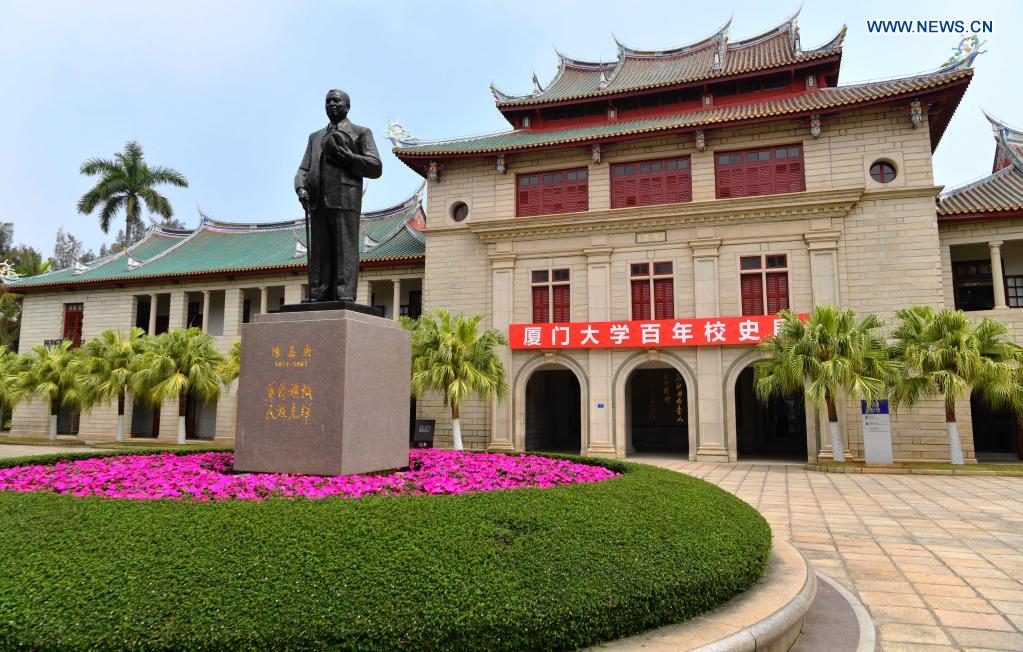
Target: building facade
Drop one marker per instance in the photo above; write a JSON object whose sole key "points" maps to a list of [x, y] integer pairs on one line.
{"points": [[634, 232], [215, 278], [705, 186]]}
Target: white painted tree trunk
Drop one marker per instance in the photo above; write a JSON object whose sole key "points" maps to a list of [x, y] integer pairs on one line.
{"points": [[955, 447], [120, 427], [837, 449], [53, 427], [456, 433], [182, 433]]}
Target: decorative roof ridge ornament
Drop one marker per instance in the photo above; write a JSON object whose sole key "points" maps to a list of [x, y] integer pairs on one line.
{"points": [[1012, 135], [834, 44], [133, 262], [7, 273], [399, 135], [624, 50], [537, 88], [604, 81], [79, 267], [300, 248], [964, 54], [794, 31]]}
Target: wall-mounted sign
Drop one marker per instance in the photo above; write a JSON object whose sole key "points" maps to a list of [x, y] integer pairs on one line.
{"points": [[651, 236], [661, 333]]}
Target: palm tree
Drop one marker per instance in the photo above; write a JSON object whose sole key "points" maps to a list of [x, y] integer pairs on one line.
{"points": [[126, 182], [231, 366], [944, 354], [179, 364], [451, 356], [832, 353], [10, 367], [110, 361], [54, 372]]}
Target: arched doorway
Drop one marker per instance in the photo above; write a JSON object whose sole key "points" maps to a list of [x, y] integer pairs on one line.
{"points": [[553, 416], [996, 433], [776, 429], [658, 411]]}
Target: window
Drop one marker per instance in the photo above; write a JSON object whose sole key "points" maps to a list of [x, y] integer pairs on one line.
{"points": [[552, 299], [882, 172], [1014, 291], [459, 212], [562, 191], [644, 183], [653, 290], [764, 284], [759, 172], [972, 285], [73, 313]]}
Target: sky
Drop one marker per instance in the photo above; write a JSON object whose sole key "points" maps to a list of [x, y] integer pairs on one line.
{"points": [[227, 92]]}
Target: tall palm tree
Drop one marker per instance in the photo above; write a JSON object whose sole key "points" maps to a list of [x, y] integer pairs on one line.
{"points": [[944, 354], [125, 183], [110, 361], [451, 356], [53, 373], [830, 354], [179, 364]]}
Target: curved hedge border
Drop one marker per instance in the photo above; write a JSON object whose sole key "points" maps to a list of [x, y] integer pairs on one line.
{"points": [[520, 569]]}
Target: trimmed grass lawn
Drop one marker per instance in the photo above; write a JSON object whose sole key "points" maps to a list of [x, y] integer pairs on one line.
{"points": [[520, 569]]}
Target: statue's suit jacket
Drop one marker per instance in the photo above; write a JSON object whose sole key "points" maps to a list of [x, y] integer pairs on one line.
{"points": [[331, 185]]}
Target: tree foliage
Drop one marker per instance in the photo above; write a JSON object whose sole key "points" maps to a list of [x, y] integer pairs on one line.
{"points": [[126, 183], [178, 363]]}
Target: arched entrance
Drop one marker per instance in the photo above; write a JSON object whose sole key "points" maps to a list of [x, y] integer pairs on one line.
{"points": [[996, 433], [658, 411], [776, 429], [553, 415]]}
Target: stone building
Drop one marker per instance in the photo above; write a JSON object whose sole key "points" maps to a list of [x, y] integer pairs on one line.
{"points": [[698, 188], [214, 277], [980, 225]]}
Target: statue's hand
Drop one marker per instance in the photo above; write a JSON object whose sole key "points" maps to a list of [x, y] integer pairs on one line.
{"points": [[341, 153], [303, 197]]}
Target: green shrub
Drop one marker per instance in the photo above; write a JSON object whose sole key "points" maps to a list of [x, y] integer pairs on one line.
{"points": [[520, 569]]}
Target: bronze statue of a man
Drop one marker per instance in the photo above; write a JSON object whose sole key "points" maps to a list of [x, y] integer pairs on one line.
{"points": [[329, 185]]}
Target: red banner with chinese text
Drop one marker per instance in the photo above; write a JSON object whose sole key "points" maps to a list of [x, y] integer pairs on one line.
{"points": [[707, 331]]}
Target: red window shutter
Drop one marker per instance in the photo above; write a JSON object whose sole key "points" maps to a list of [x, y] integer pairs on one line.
{"points": [[641, 299], [664, 298], [618, 193], [73, 323], [777, 292], [752, 294], [541, 305], [562, 304]]}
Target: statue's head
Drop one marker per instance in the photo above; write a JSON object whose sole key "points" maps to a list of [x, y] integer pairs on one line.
{"points": [[337, 104]]}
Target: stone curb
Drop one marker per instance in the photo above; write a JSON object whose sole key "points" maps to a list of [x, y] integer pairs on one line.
{"points": [[768, 617], [887, 470]]}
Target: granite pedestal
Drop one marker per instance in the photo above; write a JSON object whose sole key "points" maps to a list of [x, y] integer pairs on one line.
{"points": [[323, 392]]}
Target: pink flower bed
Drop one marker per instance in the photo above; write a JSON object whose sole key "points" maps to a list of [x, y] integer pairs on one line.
{"points": [[207, 476]]}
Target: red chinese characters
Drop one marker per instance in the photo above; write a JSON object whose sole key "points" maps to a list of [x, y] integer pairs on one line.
{"points": [[661, 333]]}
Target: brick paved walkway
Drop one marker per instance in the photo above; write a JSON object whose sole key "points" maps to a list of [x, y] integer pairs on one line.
{"points": [[937, 560]]}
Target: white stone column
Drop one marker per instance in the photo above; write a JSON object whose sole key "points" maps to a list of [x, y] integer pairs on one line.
{"points": [[206, 310], [264, 300], [598, 287], [502, 267], [997, 277], [152, 313], [178, 311], [362, 294], [711, 441], [396, 298], [293, 293], [234, 312]]}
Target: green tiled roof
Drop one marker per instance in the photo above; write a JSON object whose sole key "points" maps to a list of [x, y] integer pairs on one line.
{"points": [[225, 247], [1001, 191], [820, 99], [712, 57]]}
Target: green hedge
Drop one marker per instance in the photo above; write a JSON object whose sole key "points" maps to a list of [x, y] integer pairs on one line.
{"points": [[521, 569]]}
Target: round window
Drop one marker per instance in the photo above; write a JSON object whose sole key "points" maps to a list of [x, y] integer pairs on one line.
{"points": [[882, 171], [459, 212]]}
